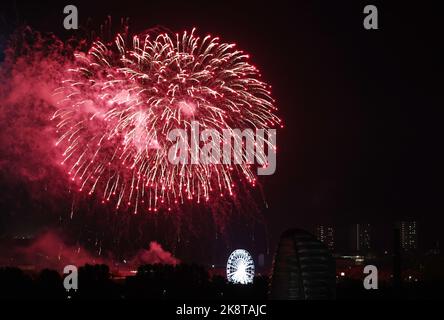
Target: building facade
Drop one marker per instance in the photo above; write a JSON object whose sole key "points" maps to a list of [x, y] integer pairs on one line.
{"points": [[326, 234], [361, 237], [408, 235]]}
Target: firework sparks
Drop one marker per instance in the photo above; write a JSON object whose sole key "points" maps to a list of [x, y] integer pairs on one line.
{"points": [[120, 101]]}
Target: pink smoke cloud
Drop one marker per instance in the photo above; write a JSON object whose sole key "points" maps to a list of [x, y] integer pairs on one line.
{"points": [[50, 251], [32, 69], [155, 254]]}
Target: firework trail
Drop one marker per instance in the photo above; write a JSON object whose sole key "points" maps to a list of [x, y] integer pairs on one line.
{"points": [[119, 102]]}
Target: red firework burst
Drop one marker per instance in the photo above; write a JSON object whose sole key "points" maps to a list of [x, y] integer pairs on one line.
{"points": [[120, 101]]}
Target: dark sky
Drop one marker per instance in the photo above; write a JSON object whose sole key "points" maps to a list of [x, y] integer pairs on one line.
{"points": [[362, 140]]}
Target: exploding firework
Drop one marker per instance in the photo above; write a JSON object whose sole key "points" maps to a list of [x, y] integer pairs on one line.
{"points": [[120, 101]]}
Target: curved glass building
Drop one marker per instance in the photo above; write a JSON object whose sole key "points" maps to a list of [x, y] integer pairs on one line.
{"points": [[303, 268]]}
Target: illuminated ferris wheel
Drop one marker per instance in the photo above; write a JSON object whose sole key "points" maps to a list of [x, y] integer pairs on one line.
{"points": [[240, 267]]}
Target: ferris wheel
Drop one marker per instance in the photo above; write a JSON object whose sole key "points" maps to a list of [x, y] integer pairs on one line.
{"points": [[240, 267]]}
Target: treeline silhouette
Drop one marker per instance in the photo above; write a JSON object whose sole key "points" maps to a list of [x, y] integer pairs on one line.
{"points": [[182, 282], [150, 282]]}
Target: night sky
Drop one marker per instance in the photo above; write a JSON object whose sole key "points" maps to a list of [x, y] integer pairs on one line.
{"points": [[362, 138]]}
